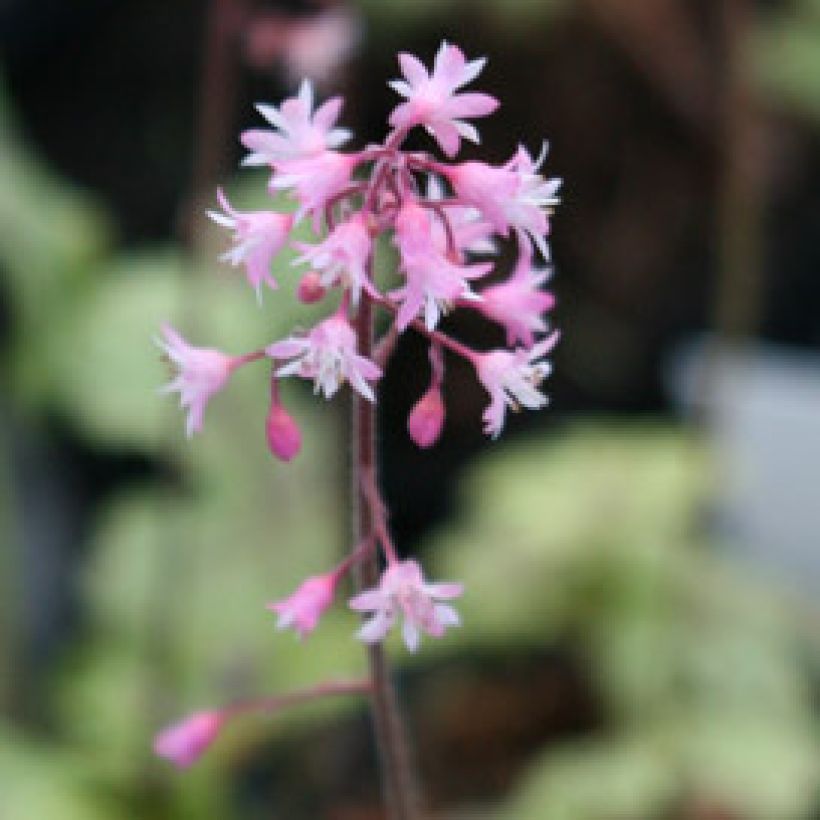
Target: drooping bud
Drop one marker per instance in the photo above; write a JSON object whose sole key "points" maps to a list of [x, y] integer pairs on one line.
{"points": [[303, 609], [284, 437], [427, 418], [184, 743], [310, 288]]}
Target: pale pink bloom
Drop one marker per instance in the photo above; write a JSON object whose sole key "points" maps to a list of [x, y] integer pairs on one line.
{"points": [[282, 433], [470, 232], [259, 236], [328, 356], [512, 379], [519, 303], [426, 419], [432, 282], [432, 101], [183, 743], [341, 259], [301, 132], [315, 179], [512, 196], [304, 607], [403, 590], [200, 373], [310, 288]]}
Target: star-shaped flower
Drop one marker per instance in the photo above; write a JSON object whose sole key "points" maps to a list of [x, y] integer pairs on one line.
{"points": [[328, 356], [432, 100], [403, 591]]}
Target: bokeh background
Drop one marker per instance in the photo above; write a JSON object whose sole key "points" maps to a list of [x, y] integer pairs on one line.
{"points": [[640, 631]]}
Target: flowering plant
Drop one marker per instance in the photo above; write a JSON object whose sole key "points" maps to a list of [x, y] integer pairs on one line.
{"points": [[444, 218]]}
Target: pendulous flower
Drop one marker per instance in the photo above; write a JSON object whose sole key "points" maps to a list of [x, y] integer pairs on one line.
{"points": [[328, 356], [259, 236], [512, 379], [200, 373], [403, 591]]}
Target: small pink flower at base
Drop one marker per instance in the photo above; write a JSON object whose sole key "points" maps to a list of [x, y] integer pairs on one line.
{"points": [[519, 304], [426, 419], [342, 257], [282, 432], [303, 609], [183, 743], [201, 372], [403, 590], [310, 288], [512, 378], [259, 236], [328, 356], [300, 131], [432, 101]]}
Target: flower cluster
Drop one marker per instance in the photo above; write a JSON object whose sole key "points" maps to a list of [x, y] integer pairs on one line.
{"points": [[447, 220]]}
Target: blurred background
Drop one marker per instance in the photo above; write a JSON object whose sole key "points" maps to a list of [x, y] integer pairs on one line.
{"points": [[640, 631]]}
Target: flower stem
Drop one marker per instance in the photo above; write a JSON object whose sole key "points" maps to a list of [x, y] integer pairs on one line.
{"points": [[398, 778]]}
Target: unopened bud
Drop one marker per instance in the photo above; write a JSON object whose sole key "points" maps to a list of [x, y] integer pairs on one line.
{"points": [[427, 418], [310, 288], [184, 742], [284, 438]]}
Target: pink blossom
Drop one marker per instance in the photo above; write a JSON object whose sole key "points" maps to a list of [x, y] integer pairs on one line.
{"points": [[512, 379], [282, 433], [403, 590], [184, 743], [470, 232], [304, 607], [259, 236], [512, 196], [432, 282], [432, 101], [342, 258], [316, 179], [328, 356], [426, 419], [518, 304], [301, 132], [200, 373]]}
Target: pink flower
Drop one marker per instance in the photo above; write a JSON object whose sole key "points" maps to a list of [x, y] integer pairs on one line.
{"points": [[304, 607], [432, 282], [432, 100], [301, 132], [259, 236], [200, 373], [328, 356], [512, 378], [470, 232], [403, 590], [342, 258], [512, 196], [518, 304], [316, 179], [183, 743], [282, 433]]}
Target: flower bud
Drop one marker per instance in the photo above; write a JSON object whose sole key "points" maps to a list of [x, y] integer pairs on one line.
{"points": [[427, 418], [310, 288], [183, 743], [284, 438]]}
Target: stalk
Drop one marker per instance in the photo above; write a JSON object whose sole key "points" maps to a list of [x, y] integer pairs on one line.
{"points": [[398, 777]]}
